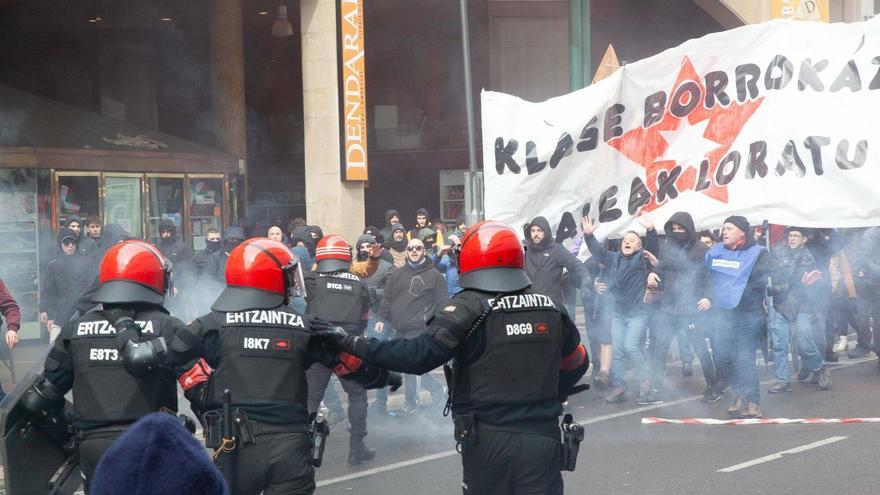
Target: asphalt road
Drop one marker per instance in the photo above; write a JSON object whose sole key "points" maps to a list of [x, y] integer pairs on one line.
{"points": [[621, 455]]}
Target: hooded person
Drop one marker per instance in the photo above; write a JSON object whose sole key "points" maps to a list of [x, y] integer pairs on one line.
{"points": [[422, 221], [392, 218], [75, 223], [396, 244], [686, 285], [170, 244], [546, 261], [65, 278], [429, 238], [157, 456]]}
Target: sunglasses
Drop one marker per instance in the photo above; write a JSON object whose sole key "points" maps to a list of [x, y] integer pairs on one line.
{"points": [[68, 242], [414, 248]]}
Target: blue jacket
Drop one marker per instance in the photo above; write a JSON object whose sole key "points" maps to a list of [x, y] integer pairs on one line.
{"points": [[450, 270]]}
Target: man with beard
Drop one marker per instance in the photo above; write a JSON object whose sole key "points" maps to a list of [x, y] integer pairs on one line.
{"points": [[171, 246], [414, 290], [392, 218], [396, 244], [686, 284], [546, 260]]}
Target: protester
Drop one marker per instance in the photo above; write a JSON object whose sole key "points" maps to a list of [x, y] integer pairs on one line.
{"points": [[868, 285], [90, 243], [448, 265], [707, 238], [65, 279], [627, 278], [414, 290], [421, 222], [396, 244], [739, 270], [685, 299], [392, 218], [546, 261], [598, 312], [461, 226], [172, 246], [75, 223], [275, 233], [11, 315], [844, 310]]}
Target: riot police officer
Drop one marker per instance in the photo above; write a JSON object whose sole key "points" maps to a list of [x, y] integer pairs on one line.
{"points": [[516, 357], [338, 296], [260, 350], [114, 359]]}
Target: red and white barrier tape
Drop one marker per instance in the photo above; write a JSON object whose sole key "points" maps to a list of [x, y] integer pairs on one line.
{"points": [[756, 421]]}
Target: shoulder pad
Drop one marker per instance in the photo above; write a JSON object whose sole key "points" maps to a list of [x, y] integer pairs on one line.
{"points": [[452, 321]]}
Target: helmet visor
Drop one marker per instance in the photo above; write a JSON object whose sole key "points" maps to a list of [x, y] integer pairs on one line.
{"points": [[294, 280]]}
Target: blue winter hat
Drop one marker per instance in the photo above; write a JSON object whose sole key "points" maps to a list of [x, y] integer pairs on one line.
{"points": [[157, 456]]}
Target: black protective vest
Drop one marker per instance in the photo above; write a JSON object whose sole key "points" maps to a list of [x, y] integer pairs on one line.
{"points": [[521, 343], [103, 392], [339, 298], [263, 357]]}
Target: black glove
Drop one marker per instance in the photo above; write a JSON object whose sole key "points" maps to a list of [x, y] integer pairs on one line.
{"points": [[573, 391], [394, 381], [197, 397]]}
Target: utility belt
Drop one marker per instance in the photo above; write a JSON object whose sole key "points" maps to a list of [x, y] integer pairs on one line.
{"points": [[245, 432], [467, 429]]}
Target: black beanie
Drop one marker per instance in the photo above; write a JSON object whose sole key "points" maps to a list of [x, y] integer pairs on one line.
{"points": [[740, 222], [157, 456]]}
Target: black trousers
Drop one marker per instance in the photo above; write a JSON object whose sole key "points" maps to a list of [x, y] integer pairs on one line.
{"points": [[664, 328], [318, 376], [507, 463], [276, 464], [92, 445], [869, 308]]}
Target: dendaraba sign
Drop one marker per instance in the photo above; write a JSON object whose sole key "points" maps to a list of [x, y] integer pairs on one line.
{"points": [[352, 90], [774, 121]]}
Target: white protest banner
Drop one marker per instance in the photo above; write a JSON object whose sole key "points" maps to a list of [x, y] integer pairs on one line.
{"points": [[777, 121]]}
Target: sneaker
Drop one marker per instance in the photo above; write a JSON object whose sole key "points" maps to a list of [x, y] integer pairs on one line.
{"points": [[824, 377], [858, 352], [602, 380], [408, 410], [710, 395], [840, 345], [752, 410], [617, 396], [687, 369], [377, 408], [737, 408], [780, 387]]}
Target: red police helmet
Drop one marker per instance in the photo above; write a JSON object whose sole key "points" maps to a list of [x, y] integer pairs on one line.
{"points": [[332, 253], [259, 273], [132, 272], [491, 259]]}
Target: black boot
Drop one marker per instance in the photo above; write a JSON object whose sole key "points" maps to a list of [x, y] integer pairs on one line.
{"points": [[359, 453]]}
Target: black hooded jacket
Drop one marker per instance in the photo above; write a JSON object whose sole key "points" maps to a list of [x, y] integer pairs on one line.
{"points": [[414, 232], [385, 233], [174, 249], [545, 262], [65, 279], [684, 277]]}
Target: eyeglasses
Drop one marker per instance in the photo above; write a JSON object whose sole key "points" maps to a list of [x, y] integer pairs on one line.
{"points": [[414, 248], [68, 242]]}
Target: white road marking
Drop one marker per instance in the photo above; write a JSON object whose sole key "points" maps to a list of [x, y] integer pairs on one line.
{"points": [[597, 419], [778, 455], [389, 467]]}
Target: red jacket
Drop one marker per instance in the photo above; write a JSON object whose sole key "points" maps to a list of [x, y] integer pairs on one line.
{"points": [[9, 308]]}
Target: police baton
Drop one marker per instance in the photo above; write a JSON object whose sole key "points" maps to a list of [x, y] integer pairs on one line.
{"points": [[229, 444]]}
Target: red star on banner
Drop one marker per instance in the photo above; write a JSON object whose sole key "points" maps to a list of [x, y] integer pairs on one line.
{"points": [[648, 147]]}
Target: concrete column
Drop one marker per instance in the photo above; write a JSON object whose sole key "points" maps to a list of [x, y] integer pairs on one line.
{"points": [[227, 76], [337, 206]]}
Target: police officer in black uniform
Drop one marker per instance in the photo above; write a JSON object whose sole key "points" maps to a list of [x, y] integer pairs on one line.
{"points": [[516, 357], [260, 350], [115, 360], [338, 296]]}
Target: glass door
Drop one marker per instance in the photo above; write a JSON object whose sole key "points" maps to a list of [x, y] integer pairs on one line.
{"points": [[165, 196], [123, 202], [205, 207]]}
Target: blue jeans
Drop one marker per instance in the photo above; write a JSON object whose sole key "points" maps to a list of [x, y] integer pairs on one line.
{"points": [[811, 348], [628, 342], [736, 340], [779, 329]]}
